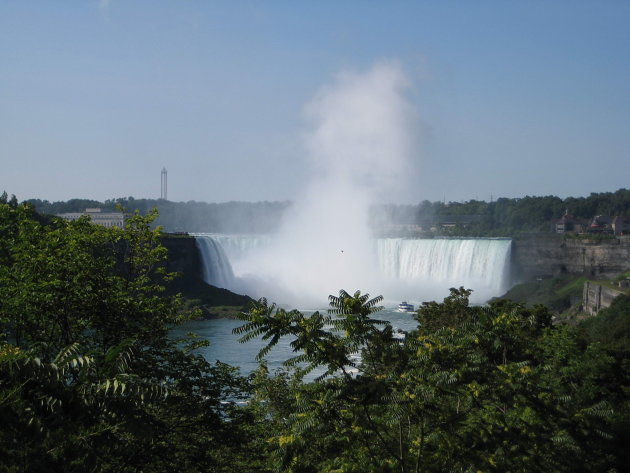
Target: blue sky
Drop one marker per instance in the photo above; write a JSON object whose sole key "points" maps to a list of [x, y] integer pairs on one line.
{"points": [[511, 98]]}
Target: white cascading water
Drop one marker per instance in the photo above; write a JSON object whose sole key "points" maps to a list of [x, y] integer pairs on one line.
{"points": [[217, 269], [481, 264], [417, 270], [237, 247]]}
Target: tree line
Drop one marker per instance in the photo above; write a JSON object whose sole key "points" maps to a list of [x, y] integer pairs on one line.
{"points": [[500, 217], [504, 216], [201, 217], [90, 379]]}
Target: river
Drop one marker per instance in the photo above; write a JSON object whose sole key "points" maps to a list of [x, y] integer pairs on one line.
{"points": [[225, 347]]}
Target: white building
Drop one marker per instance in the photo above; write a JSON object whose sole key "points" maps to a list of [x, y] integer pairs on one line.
{"points": [[106, 219]]}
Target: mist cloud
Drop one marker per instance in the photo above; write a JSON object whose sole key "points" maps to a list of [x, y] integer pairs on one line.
{"points": [[360, 128], [358, 149]]}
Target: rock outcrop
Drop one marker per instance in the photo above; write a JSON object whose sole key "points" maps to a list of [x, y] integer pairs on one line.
{"points": [[544, 255], [597, 296], [184, 258]]}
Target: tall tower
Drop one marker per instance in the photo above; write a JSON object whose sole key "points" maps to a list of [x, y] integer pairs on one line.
{"points": [[163, 187]]}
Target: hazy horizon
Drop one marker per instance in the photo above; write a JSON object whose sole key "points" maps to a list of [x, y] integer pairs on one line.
{"points": [[489, 199]]}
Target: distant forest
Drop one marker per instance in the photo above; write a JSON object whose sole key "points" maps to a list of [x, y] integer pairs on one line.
{"points": [[501, 217], [227, 217]]}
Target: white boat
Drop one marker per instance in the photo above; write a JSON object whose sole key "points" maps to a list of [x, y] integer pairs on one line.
{"points": [[404, 307]]}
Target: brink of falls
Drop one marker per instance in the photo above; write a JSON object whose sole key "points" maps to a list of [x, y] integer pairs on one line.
{"points": [[411, 269]]}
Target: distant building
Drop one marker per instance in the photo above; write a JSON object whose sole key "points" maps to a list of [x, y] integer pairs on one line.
{"points": [[452, 221], [163, 184], [617, 225], [601, 223], [568, 223], [98, 217], [621, 225]]}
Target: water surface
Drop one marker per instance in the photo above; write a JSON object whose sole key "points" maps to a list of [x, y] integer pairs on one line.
{"points": [[225, 347]]}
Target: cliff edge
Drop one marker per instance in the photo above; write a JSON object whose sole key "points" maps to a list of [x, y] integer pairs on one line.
{"points": [[547, 255]]}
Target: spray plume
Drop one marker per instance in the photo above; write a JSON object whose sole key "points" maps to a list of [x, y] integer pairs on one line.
{"points": [[358, 149]]}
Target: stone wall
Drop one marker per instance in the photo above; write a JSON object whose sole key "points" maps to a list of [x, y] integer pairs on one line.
{"points": [[544, 255], [596, 297]]}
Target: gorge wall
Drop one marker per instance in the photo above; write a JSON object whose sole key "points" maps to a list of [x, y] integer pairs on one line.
{"points": [[543, 255]]}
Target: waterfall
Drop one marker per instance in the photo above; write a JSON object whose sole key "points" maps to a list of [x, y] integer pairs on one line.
{"points": [[408, 269], [479, 263], [217, 269], [238, 247]]}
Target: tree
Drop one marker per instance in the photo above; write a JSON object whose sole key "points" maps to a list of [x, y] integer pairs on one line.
{"points": [[486, 389], [610, 331], [89, 377]]}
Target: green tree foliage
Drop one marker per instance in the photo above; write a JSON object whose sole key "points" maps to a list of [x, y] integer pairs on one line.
{"points": [[472, 389], [611, 326], [89, 378], [610, 330]]}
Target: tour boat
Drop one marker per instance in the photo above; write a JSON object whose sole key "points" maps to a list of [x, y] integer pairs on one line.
{"points": [[404, 307]]}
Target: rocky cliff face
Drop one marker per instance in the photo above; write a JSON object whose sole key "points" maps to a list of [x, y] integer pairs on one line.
{"points": [[597, 296], [184, 258], [183, 255], [543, 255]]}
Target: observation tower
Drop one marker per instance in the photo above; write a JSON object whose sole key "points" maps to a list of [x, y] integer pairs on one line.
{"points": [[163, 184]]}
